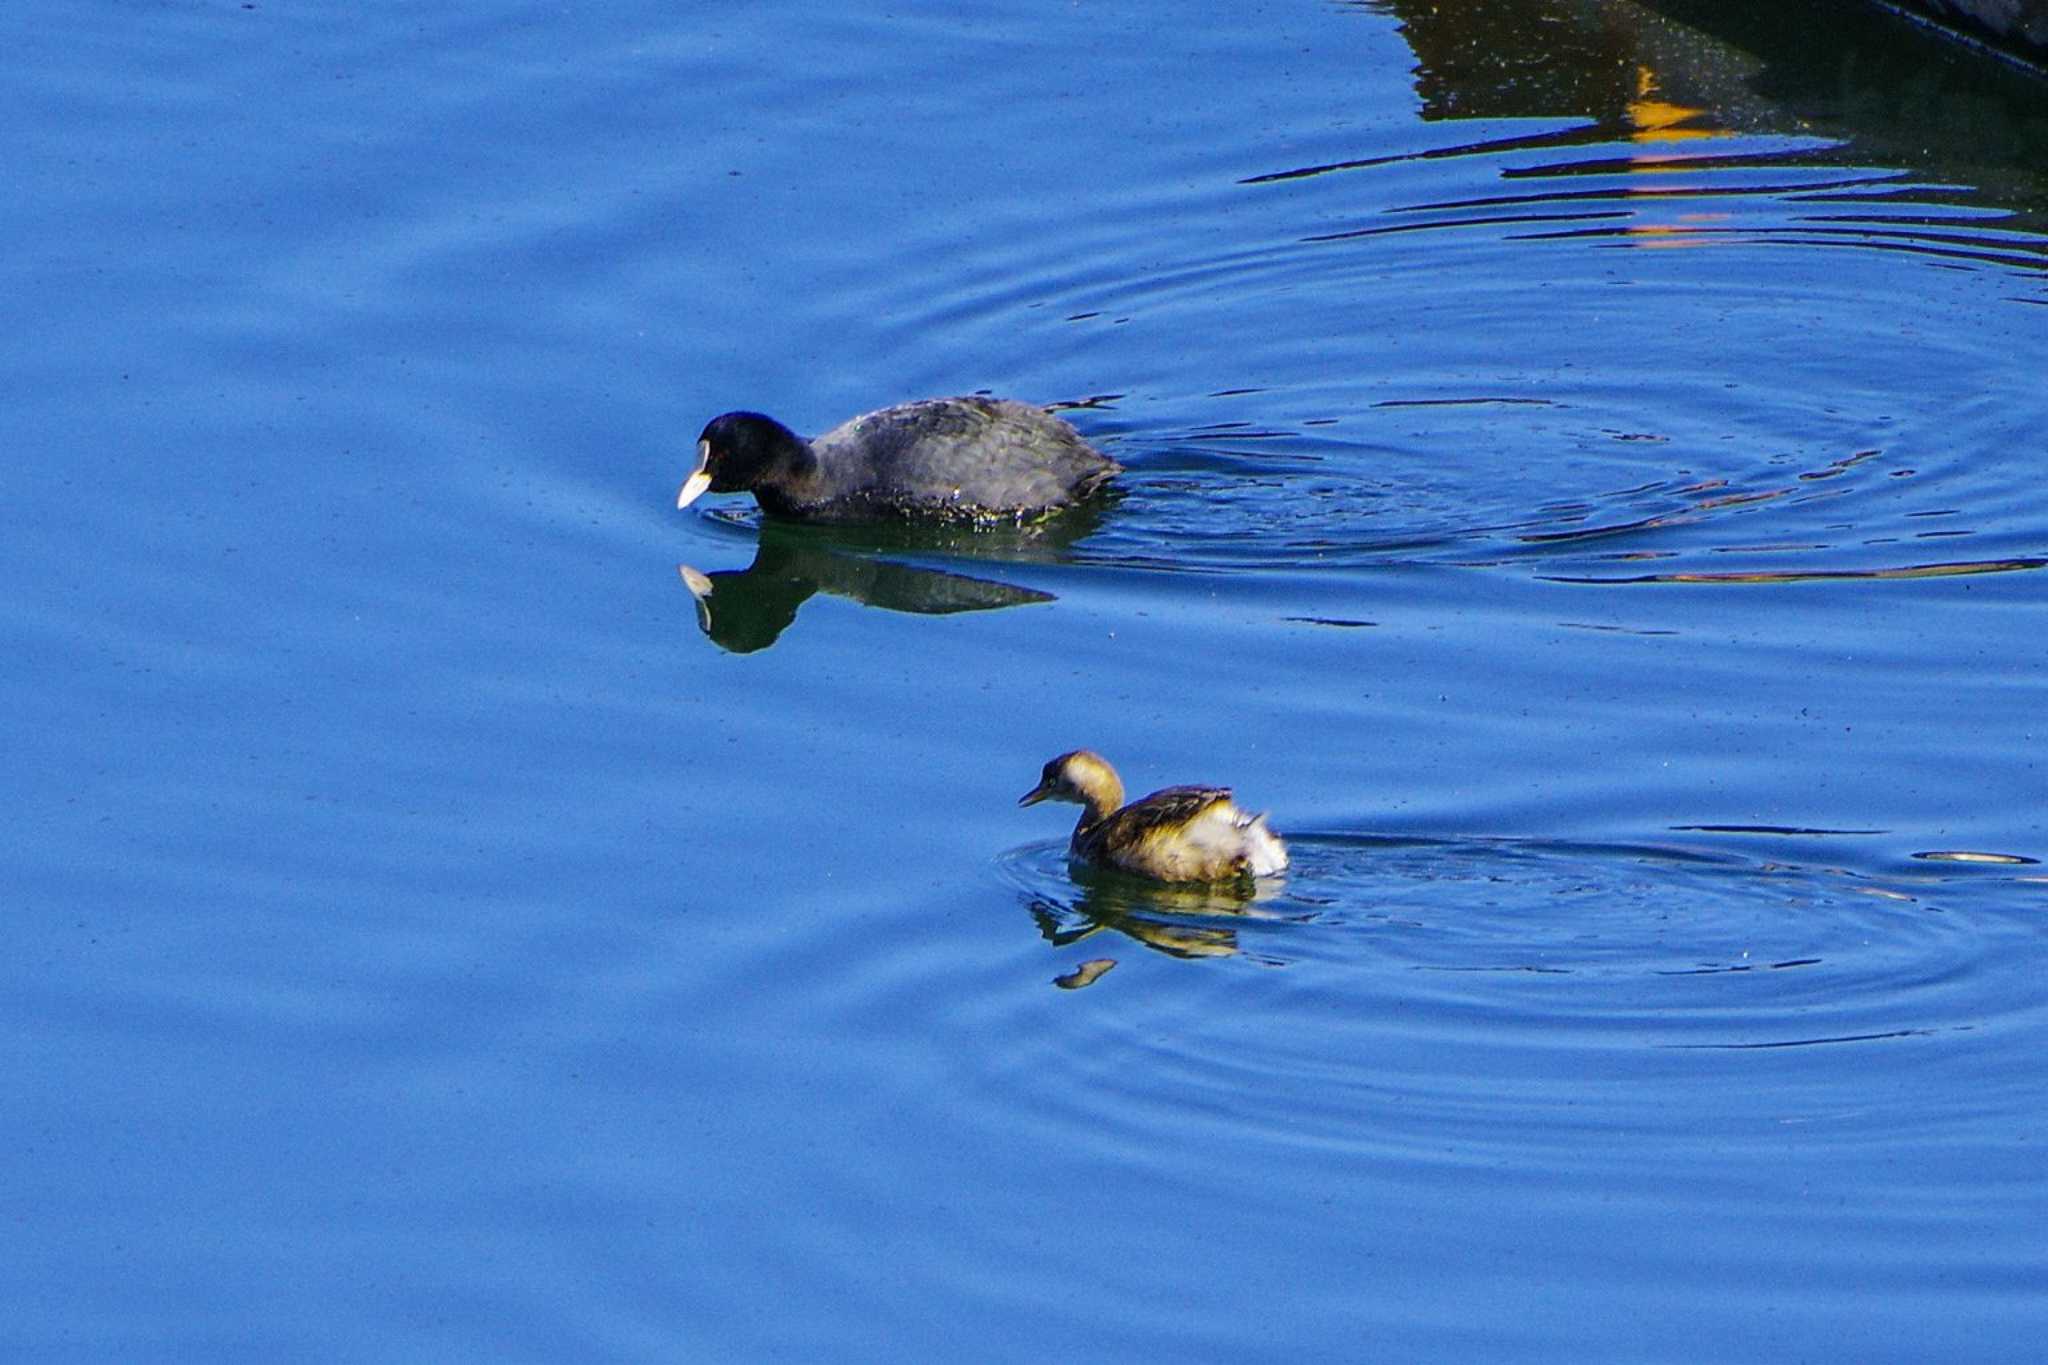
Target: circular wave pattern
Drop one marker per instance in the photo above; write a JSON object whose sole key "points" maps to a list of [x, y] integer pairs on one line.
{"points": [[1695, 379], [1525, 988], [1564, 932]]}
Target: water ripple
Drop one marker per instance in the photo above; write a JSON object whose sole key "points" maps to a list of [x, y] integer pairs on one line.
{"points": [[1506, 976], [1371, 397]]}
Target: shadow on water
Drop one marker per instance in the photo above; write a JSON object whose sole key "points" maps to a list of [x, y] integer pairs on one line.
{"points": [[1901, 96]]}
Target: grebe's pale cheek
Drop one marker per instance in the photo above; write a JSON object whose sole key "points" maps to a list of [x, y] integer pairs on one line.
{"points": [[700, 477]]}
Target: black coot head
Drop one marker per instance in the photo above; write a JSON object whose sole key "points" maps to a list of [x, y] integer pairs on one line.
{"points": [[738, 451]]}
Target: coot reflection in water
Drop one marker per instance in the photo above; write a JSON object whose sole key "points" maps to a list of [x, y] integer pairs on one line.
{"points": [[744, 610]]}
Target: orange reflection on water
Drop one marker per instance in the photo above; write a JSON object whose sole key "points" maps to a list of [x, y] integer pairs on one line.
{"points": [[1653, 121], [1663, 236]]}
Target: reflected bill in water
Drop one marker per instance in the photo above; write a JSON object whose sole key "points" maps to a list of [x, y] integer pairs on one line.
{"points": [[744, 610]]}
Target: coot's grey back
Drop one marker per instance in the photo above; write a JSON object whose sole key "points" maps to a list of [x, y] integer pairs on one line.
{"points": [[963, 452]]}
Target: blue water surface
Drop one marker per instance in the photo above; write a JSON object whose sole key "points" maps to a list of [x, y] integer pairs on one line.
{"points": [[1583, 479]]}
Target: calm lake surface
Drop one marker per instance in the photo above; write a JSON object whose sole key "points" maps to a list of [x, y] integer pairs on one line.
{"points": [[1585, 480]]}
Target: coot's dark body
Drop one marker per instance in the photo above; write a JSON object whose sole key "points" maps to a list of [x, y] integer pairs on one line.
{"points": [[950, 458]]}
